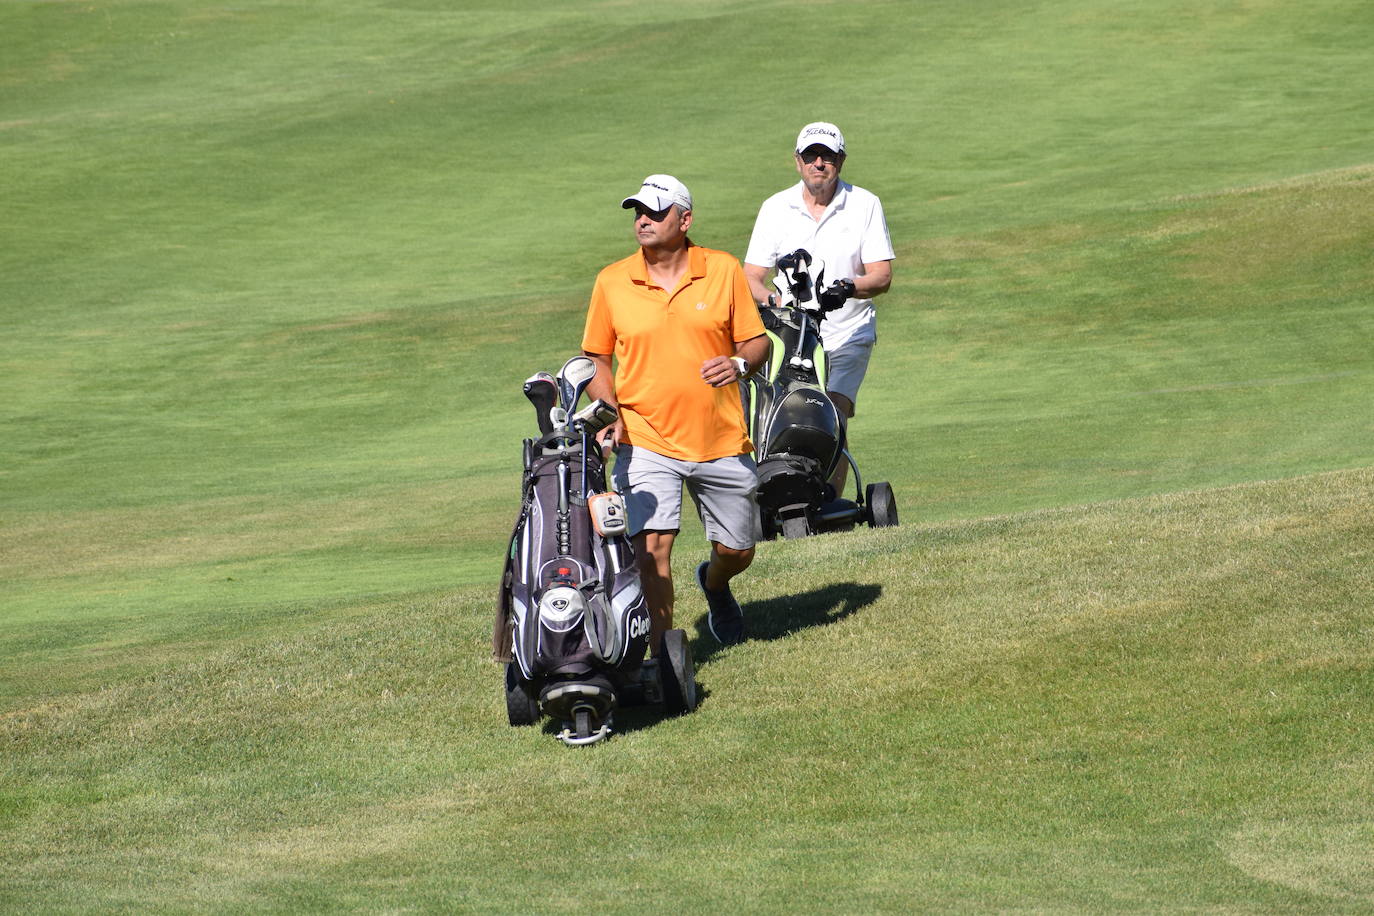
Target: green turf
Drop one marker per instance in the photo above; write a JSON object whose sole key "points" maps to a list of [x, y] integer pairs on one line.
{"points": [[270, 277], [1150, 704]]}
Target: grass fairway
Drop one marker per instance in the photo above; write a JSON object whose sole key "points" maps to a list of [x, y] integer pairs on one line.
{"points": [[1157, 703], [270, 277]]}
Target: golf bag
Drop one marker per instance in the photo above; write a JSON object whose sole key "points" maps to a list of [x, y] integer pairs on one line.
{"points": [[572, 625], [572, 622], [799, 435]]}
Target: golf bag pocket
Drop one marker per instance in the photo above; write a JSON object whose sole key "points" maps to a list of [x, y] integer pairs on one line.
{"points": [[619, 628], [561, 608], [608, 514], [565, 629], [786, 480]]}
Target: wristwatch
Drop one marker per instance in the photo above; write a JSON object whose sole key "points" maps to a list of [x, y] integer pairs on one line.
{"points": [[743, 365]]}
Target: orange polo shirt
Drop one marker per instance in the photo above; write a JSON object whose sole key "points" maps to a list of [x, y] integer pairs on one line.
{"points": [[660, 338]]}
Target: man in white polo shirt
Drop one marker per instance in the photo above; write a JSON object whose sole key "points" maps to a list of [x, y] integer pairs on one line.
{"points": [[843, 226]]}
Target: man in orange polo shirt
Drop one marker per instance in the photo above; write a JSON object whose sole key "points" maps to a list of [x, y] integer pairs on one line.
{"points": [[683, 329]]}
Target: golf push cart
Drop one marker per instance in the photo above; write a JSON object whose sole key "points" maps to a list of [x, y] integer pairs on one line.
{"points": [[572, 626], [798, 434]]}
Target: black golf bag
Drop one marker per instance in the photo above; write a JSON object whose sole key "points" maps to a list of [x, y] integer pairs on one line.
{"points": [[798, 433], [572, 625]]}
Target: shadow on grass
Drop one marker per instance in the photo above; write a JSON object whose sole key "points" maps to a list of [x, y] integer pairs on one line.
{"points": [[768, 620], [632, 718], [637, 717], [780, 617]]}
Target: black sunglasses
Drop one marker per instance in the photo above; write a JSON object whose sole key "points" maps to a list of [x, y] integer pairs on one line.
{"points": [[655, 215]]}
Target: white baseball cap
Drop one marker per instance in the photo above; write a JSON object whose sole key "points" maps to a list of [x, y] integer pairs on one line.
{"points": [[659, 192], [821, 133]]}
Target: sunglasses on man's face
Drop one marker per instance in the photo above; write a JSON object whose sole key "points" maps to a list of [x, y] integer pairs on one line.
{"points": [[809, 156], [655, 215]]}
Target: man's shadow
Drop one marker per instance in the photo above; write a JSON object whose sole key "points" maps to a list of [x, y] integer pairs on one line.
{"points": [[765, 621], [780, 617]]}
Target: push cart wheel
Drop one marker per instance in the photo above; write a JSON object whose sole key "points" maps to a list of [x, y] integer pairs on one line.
{"points": [[677, 673], [795, 527], [521, 708], [882, 505]]}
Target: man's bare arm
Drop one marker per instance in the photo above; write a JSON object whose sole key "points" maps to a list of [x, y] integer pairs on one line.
{"points": [[602, 387], [719, 371], [877, 279], [754, 351], [758, 281]]}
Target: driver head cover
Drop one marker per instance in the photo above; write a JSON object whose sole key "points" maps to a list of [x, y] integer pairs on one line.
{"points": [[783, 280], [658, 193]]}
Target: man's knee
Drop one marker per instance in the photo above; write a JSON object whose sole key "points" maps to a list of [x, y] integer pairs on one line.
{"points": [[734, 553], [654, 551], [733, 560], [842, 403]]}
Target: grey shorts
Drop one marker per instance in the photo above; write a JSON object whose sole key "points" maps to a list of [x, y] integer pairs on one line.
{"points": [[846, 366], [723, 491]]}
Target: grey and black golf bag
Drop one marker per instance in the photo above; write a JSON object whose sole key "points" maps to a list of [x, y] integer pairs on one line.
{"points": [[798, 433], [572, 625]]}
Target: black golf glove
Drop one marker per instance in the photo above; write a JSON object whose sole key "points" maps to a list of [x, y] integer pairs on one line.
{"points": [[837, 295]]}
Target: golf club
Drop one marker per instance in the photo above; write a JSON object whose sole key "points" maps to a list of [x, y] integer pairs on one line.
{"points": [[587, 422], [586, 372], [581, 375], [595, 417], [573, 379], [542, 391]]}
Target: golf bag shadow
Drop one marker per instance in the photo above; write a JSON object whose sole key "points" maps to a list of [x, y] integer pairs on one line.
{"points": [[572, 624]]}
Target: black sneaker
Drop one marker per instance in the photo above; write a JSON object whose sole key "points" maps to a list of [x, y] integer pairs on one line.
{"points": [[725, 619]]}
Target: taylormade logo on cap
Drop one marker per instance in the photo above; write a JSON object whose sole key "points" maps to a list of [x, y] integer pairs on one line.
{"points": [[659, 192], [821, 133]]}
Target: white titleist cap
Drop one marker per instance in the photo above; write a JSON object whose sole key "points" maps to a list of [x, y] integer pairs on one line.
{"points": [[821, 133], [659, 192]]}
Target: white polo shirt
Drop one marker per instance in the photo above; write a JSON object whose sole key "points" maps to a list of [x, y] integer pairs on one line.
{"points": [[851, 233]]}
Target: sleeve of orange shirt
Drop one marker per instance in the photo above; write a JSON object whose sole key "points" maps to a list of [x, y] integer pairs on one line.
{"points": [[598, 336]]}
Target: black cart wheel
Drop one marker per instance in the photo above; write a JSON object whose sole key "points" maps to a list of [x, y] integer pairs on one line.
{"points": [[521, 708], [882, 505], [677, 673], [795, 527], [582, 722]]}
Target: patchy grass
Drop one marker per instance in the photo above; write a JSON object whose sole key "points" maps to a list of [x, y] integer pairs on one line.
{"points": [[1146, 703], [272, 275]]}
